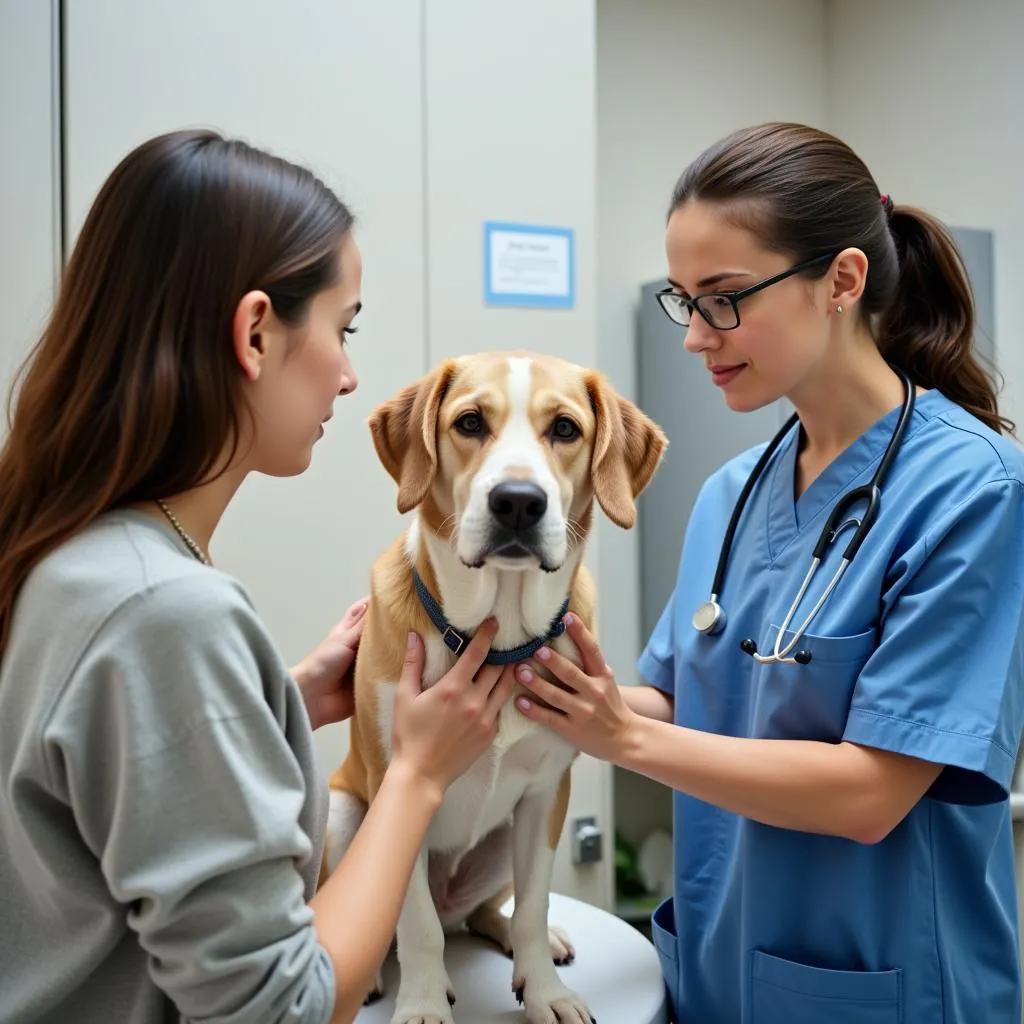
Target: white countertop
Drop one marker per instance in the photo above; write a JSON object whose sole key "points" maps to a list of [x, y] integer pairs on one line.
{"points": [[616, 971]]}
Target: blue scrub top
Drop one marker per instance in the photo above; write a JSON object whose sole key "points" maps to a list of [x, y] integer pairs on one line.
{"points": [[919, 651]]}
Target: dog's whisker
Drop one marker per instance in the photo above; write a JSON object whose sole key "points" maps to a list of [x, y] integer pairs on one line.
{"points": [[575, 531], [454, 521]]}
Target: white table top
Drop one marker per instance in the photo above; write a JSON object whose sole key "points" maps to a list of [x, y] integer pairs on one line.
{"points": [[616, 971]]}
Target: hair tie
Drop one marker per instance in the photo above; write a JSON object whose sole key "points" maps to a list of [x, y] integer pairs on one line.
{"points": [[887, 204]]}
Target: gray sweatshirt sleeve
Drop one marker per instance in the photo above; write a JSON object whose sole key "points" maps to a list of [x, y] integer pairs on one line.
{"points": [[170, 743]]}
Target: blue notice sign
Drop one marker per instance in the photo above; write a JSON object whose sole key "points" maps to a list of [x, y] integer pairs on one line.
{"points": [[526, 265]]}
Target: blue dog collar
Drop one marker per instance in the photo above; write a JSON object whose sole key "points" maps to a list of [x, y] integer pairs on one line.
{"points": [[456, 641]]}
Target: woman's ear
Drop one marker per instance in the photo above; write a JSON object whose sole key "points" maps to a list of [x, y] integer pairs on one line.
{"points": [[248, 332], [849, 278], [404, 431], [628, 446]]}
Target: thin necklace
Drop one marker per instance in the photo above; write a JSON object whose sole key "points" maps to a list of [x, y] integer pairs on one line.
{"points": [[189, 542]]}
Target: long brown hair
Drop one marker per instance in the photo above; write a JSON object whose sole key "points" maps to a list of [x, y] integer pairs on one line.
{"points": [[805, 193], [133, 392]]}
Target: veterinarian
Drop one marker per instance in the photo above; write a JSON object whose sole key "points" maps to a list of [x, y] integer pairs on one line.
{"points": [[161, 814], [843, 841]]}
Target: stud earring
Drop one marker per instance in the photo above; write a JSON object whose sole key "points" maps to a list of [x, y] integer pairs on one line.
{"points": [[839, 309]]}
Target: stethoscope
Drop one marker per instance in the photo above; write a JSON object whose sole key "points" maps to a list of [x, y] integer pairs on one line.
{"points": [[709, 618]]}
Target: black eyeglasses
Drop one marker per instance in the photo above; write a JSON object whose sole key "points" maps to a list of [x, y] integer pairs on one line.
{"points": [[721, 309]]}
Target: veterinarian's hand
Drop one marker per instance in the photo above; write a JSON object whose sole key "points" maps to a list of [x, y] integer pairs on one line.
{"points": [[439, 732], [587, 710], [326, 676]]}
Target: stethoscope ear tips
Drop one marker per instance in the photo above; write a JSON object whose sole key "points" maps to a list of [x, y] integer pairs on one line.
{"points": [[748, 646]]}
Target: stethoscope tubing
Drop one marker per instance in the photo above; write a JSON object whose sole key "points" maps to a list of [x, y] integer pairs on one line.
{"points": [[710, 617]]}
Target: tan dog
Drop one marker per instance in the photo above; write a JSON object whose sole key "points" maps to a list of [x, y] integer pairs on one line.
{"points": [[500, 458]]}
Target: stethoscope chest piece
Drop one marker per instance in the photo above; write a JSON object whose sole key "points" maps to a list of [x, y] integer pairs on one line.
{"points": [[709, 618]]}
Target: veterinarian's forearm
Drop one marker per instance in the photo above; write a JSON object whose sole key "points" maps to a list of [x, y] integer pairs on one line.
{"points": [[358, 905], [649, 702], [830, 788]]}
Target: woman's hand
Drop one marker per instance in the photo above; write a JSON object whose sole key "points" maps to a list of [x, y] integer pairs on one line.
{"points": [[588, 709], [326, 676], [439, 732]]}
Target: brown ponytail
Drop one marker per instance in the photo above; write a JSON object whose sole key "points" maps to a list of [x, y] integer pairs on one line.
{"points": [[928, 328], [806, 193]]}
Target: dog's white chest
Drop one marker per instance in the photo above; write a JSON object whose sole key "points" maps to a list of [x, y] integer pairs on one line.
{"points": [[484, 797], [524, 755]]}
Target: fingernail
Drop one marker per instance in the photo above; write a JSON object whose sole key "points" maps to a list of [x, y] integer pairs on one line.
{"points": [[569, 618], [525, 674], [543, 654], [411, 641], [524, 704]]}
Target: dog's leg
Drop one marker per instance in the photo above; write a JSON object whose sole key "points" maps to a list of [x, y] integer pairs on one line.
{"points": [[425, 993], [535, 980], [344, 817]]}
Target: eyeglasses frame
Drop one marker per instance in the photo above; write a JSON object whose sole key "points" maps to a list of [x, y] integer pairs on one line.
{"points": [[734, 298]]}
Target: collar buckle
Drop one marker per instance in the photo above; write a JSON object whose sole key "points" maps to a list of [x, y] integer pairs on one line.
{"points": [[453, 640]]}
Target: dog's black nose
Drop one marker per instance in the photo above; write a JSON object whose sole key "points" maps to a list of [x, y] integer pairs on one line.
{"points": [[517, 504]]}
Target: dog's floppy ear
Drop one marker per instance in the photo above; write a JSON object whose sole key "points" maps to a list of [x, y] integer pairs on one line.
{"points": [[627, 449], [404, 431]]}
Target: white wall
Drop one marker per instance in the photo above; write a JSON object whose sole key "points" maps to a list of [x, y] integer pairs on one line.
{"points": [[930, 96], [29, 228], [662, 97], [510, 135]]}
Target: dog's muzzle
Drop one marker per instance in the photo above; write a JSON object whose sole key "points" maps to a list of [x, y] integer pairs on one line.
{"points": [[517, 509]]}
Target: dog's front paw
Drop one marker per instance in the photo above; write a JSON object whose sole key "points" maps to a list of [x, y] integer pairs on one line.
{"points": [[547, 1001], [424, 1002], [423, 1014], [424, 1018]]}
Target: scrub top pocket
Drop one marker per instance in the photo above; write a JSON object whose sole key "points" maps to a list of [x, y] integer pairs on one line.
{"points": [[809, 701], [785, 992], [663, 932]]}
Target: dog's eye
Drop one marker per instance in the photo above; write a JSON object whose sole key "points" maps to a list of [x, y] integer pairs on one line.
{"points": [[470, 424], [564, 429]]}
